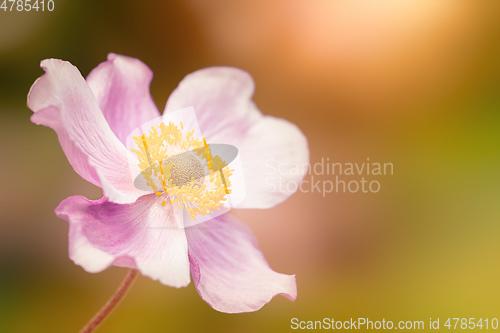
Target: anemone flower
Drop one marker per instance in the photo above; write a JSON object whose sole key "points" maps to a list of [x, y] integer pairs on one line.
{"points": [[110, 117]]}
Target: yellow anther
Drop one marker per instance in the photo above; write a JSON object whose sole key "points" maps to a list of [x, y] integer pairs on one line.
{"points": [[162, 174], [224, 181], [208, 154]]}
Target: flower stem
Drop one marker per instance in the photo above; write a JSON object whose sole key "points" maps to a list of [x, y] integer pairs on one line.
{"points": [[112, 302]]}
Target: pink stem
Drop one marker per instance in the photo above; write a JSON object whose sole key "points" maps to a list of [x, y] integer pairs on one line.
{"points": [[112, 302]]}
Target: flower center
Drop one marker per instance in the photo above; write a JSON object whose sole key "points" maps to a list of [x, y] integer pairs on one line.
{"points": [[175, 163], [185, 167]]}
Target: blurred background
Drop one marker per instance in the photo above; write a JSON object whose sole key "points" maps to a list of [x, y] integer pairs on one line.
{"points": [[414, 83]]}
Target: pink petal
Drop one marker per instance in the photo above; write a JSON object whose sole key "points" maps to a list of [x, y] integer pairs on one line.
{"points": [[121, 86], [229, 271], [140, 235], [222, 100], [62, 100], [275, 156]]}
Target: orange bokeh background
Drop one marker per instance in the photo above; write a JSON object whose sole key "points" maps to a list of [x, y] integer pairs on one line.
{"points": [[412, 83]]}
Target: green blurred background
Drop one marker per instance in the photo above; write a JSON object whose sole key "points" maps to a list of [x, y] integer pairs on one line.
{"points": [[410, 82]]}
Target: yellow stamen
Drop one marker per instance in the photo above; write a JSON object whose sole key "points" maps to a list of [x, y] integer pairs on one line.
{"points": [[208, 154], [224, 181], [146, 148], [182, 177], [162, 175]]}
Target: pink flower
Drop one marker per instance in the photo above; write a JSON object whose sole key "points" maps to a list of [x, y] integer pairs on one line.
{"points": [[131, 228]]}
